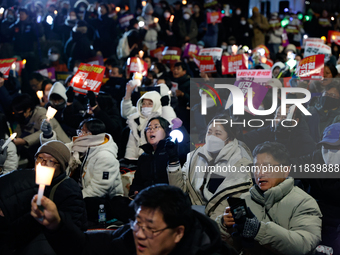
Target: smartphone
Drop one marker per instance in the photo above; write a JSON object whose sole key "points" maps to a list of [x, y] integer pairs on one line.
{"points": [[238, 207]]}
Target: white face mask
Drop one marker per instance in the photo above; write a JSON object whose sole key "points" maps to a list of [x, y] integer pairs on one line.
{"points": [[186, 16], [243, 22], [214, 144], [224, 47], [238, 12], [210, 102], [167, 15], [331, 156], [146, 111], [75, 69], [53, 57]]}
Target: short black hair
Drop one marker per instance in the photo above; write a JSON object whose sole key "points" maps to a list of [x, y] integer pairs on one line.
{"points": [[333, 69], [22, 103], [170, 200], [37, 76], [160, 67], [278, 151], [23, 10], [45, 83], [181, 64], [164, 124], [95, 126], [231, 131]]}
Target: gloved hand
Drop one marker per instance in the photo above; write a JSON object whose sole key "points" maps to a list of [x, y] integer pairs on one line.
{"points": [[172, 150], [70, 94], [91, 97], [248, 225], [176, 123], [46, 128], [3, 153]]}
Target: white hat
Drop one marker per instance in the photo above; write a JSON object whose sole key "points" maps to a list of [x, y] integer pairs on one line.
{"points": [[291, 47], [274, 83], [278, 64]]}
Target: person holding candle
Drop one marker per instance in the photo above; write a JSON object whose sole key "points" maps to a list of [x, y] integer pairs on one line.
{"points": [[18, 230]]}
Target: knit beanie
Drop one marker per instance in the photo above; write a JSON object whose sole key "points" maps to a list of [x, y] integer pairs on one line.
{"points": [[58, 150]]}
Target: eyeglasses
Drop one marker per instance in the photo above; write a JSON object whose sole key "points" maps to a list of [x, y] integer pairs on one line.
{"points": [[147, 231], [48, 162], [81, 132], [156, 128], [332, 95]]}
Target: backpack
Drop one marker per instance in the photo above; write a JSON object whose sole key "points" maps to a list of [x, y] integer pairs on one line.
{"points": [[123, 49]]}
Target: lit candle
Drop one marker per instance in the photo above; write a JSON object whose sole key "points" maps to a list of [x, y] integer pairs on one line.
{"points": [[172, 18], [137, 76], [141, 53], [184, 2], [40, 95], [8, 141], [50, 113], [117, 9], [155, 20], [43, 177], [143, 3], [13, 68], [23, 63], [55, 12]]}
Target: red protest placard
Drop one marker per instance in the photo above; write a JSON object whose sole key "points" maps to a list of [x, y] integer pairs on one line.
{"points": [[263, 50], [311, 68], [137, 65], [205, 63], [334, 37], [171, 55], [230, 64], [214, 17], [5, 65], [157, 53], [88, 78]]}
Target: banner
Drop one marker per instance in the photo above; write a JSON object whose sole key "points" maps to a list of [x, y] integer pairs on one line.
{"points": [[214, 17], [157, 53], [205, 63], [124, 21], [138, 65], [317, 48], [6, 65], [62, 75], [48, 72], [263, 50], [333, 37], [285, 40], [311, 68], [311, 39], [259, 76], [171, 55], [216, 53], [97, 60], [210, 3], [88, 78], [190, 50], [230, 64]]}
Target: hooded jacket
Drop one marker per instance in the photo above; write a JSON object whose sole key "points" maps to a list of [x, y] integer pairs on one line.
{"points": [[202, 239], [59, 89], [290, 220], [137, 122], [12, 159], [216, 184]]}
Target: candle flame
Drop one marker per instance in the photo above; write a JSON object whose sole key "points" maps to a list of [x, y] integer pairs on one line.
{"points": [[155, 20], [117, 9], [172, 18], [40, 94], [24, 61], [143, 3], [13, 136], [13, 66]]}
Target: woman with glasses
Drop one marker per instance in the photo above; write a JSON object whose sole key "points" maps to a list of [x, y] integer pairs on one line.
{"points": [[325, 112], [212, 172], [159, 153]]}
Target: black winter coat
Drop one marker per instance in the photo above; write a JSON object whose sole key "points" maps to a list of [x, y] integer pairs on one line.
{"points": [[151, 167], [18, 228]]}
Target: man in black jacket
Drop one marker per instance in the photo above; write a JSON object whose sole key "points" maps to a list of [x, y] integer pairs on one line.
{"points": [[164, 224], [19, 232]]}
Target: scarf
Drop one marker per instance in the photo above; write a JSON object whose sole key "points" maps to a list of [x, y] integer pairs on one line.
{"points": [[81, 145]]}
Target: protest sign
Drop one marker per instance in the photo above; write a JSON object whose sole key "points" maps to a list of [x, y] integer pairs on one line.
{"points": [[214, 17], [313, 48], [230, 64], [6, 65], [334, 37], [124, 21], [88, 78], [311, 39], [263, 50], [138, 65], [215, 52], [171, 55], [205, 63], [48, 72], [157, 53], [259, 76], [190, 50], [311, 68], [97, 60]]}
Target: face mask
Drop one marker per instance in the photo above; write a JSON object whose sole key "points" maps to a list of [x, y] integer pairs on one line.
{"points": [[238, 12], [210, 102], [82, 9], [186, 16], [75, 69], [243, 22], [214, 144], [330, 156], [72, 17], [166, 15], [224, 47], [53, 57], [329, 103], [60, 106], [146, 111]]}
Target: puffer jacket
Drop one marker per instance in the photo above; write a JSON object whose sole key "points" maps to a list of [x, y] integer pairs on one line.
{"points": [[137, 122], [18, 228], [12, 159], [202, 239], [290, 220], [201, 169]]}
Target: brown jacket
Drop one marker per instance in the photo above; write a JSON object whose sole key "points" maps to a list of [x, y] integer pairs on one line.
{"points": [[260, 25]]}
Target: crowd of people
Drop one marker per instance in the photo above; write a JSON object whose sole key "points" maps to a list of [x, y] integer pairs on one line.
{"points": [[115, 148]]}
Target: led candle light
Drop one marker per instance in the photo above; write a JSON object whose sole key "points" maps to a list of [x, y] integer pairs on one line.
{"points": [[55, 12], [137, 76], [141, 54], [184, 2], [50, 113], [40, 95], [23, 63], [155, 20], [172, 18], [43, 177], [143, 3], [117, 9], [8, 140], [13, 68], [176, 134]]}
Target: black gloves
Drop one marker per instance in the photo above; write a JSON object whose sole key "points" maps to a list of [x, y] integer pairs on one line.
{"points": [[172, 150], [248, 226], [46, 128], [91, 97], [3, 153], [70, 94]]}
